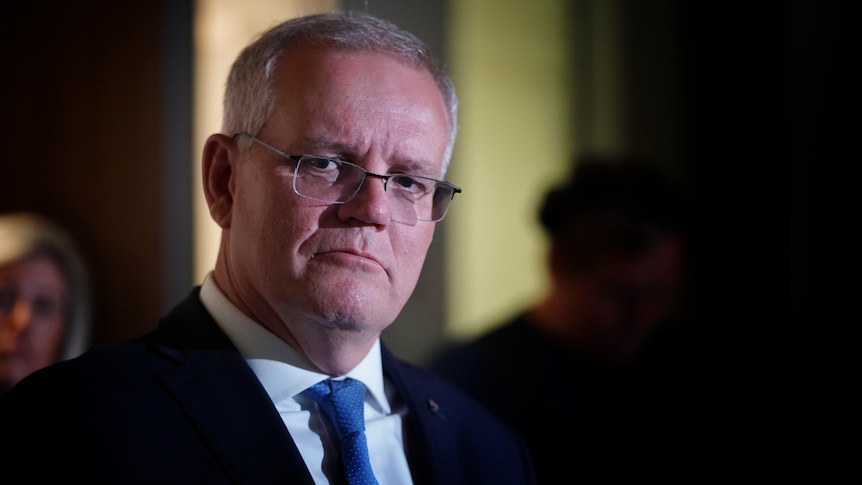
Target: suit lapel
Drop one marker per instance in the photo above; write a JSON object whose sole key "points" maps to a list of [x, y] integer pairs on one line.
{"points": [[425, 423], [224, 400]]}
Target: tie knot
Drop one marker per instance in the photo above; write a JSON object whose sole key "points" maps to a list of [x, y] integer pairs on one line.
{"points": [[343, 402]]}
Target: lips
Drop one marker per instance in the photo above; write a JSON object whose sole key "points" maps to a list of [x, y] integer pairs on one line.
{"points": [[351, 248], [350, 253]]}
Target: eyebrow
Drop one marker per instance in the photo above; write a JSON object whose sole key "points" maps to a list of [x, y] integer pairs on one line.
{"points": [[409, 167]]}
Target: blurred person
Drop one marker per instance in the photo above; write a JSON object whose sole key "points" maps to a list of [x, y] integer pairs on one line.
{"points": [[327, 183], [617, 234], [44, 296]]}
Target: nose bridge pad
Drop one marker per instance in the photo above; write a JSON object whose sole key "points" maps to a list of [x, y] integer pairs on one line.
{"points": [[374, 201], [385, 179]]}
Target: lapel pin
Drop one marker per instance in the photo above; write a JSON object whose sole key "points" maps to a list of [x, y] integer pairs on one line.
{"points": [[435, 408]]}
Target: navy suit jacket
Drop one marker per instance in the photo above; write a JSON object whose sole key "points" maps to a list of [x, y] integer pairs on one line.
{"points": [[180, 405]]}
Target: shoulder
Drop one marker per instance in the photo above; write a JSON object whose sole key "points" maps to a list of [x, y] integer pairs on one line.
{"points": [[78, 397], [490, 357], [458, 429], [103, 368], [503, 338], [434, 396]]}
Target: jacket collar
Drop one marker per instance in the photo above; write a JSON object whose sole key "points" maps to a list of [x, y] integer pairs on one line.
{"points": [[211, 380]]}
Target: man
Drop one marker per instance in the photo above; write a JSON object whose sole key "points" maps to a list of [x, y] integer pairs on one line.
{"points": [[599, 341], [326, 182]]}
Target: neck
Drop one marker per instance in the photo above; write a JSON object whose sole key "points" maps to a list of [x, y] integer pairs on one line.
{"points": [[333, 352], [328, 347]]}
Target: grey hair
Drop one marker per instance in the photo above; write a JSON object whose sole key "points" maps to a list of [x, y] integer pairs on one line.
{"points": [[24, 235], [250, 97]]}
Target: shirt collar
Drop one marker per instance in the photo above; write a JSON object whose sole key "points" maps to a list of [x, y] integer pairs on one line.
{"points": [[282, 370]]}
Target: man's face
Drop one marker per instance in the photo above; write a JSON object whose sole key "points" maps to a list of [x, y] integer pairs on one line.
{"points": [[620, 300], [348, 265]]}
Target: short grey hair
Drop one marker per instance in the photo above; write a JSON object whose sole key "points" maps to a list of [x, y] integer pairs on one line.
{"points": [[249, 95]]}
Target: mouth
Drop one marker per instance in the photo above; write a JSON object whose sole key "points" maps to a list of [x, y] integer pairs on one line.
{"points": [[348, 257]]}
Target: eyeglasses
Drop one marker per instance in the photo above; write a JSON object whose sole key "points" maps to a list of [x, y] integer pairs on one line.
{"points": [[413, 198]]}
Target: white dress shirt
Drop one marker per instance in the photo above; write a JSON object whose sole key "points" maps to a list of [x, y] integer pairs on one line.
{"points": [[285, 374]]}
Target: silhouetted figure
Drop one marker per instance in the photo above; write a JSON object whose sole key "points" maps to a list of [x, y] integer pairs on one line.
{"points": [[586, 373]]}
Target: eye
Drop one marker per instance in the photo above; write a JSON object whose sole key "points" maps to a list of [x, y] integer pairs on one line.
{"points": [[47, 307], [415, 186], [7, 299], [320, 163], [326, 170]]}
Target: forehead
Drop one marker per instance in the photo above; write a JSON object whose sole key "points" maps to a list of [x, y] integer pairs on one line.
{"points": [[306, 74], [36, 271], [361, 99]]}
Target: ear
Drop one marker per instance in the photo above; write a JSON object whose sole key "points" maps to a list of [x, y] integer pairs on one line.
{"points": [[219, 157]]}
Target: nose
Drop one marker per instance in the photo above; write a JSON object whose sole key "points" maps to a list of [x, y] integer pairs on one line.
{"points": [[13, 323], [19, 316], [370, 204]]}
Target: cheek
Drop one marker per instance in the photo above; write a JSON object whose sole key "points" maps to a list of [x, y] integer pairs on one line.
{"points": [[262, 186], [42, 340], [605, 309], [411, 248], [288, 237], [267, 213], [601, 307]]}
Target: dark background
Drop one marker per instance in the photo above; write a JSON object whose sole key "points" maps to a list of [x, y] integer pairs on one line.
{"points": [[96, 134]]}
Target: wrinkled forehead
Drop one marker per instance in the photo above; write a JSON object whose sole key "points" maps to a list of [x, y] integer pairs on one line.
{"points": [[358, 97], [325, 66]]}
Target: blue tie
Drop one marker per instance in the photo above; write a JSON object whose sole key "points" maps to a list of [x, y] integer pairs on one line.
{"points": [[343, 402]]}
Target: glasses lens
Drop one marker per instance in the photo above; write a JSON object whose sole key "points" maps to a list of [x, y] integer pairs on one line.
{"points": [[327, 179], [442, 197], [409, 196], [419, 198]]}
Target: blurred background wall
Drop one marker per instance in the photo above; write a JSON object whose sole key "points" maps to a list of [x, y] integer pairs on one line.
{"points": [[107, 105]]}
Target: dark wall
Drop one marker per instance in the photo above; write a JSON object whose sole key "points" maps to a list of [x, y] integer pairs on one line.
{"points": [[84, 141], [773, 105], [754, 106]]}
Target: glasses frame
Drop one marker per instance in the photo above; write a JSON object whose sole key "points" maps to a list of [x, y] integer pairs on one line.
{"points": [[366, 174]]}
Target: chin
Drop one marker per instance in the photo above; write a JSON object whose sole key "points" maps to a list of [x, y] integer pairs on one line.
{"points": [[356, 318]]}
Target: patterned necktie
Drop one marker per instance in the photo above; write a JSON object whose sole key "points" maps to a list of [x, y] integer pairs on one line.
{"points": [[343, 402]]}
